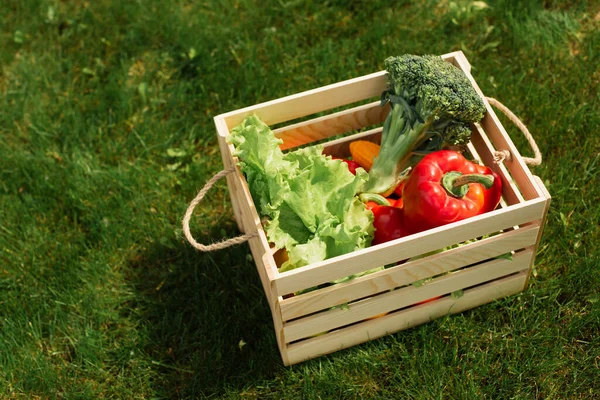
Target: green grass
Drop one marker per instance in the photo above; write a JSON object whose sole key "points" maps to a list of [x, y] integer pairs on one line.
{"points": [[106, 129]]}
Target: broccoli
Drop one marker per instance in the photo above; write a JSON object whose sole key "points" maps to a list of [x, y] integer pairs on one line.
{"points": [[432, 106]]}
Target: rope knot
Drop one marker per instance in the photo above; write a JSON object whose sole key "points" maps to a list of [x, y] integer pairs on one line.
{"points": [[501, 155]]}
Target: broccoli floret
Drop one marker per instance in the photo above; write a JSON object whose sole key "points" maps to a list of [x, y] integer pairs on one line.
{"points": [[432, 106]]}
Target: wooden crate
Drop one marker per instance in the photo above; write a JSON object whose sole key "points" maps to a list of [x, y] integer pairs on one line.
{"points": [[377, 304]]}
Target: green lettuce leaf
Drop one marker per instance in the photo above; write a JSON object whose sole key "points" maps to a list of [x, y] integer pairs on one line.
{"points": [[310, 200]]}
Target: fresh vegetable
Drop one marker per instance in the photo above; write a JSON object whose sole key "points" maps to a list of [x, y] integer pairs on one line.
{"points": [[400, 187], [432, 106], [370, 205], [389, 224], [364, 152], [309, 200], [352, 165], [280, 256], [388, 219], [398, 203], [445, 187]]}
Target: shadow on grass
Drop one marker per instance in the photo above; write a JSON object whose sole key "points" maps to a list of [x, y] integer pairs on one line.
{"points": [[204, 317]]}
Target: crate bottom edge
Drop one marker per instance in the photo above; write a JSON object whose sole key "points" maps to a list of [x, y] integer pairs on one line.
{"points": [[404, 319]]}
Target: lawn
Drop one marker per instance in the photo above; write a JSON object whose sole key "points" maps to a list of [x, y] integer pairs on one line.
{"points": [[106, 134]]}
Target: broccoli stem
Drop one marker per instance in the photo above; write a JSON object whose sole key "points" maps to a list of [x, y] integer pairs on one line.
{"points": [[402, 131]]}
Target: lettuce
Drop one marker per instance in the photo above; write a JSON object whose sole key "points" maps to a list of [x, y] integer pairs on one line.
{"points": [[309, 200]]}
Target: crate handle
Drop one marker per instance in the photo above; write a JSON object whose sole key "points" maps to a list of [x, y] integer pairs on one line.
{"points": [[502, 155], [188, 214]]}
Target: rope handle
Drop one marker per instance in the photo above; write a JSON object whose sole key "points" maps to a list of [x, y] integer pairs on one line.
{"points": [[501, 155], [188, 214]]}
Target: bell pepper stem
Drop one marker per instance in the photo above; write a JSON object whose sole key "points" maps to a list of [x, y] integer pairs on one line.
{"points": [[457, 184], [485, 180], [377, 198]]}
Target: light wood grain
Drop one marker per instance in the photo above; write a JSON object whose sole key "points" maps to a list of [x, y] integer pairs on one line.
{"points": [[312, 101], [316, 100], [250, 222], [485, 150], [405, 274], [407, 247], [403, 297], [333, 124], [497, 134], [538, 240], [228, 162], [409, 318]]}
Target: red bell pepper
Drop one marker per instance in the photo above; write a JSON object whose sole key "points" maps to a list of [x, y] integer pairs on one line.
{"points": [[373, 200], [388, 223], [352, 165], [445, 187], [400, 187], [388, 218], [398, 203]]}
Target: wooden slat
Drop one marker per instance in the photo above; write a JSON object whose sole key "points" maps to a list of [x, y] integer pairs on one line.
{"points": [[263, 266], [485, 150], [278, 326], [405, 274], [454, 59], [312, 101], [249, 219], [538, 240], [228, 162], [259, 247], [407, 247], [409, 318], [404, 297], [517, 167], [499, 137], [333, 124], [319, 99]]}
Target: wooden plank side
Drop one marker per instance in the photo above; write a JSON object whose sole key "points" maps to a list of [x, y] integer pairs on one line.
{"points": [[333, 124], [337, 123], [535, 248], [515, 165], [319, 99], [250, 221], [247, 217], [499, 137], [312, 101], [278, 327], [403, 297], [407, 247], [409, 318], [405, 274], [228, 162], [485, 150]]}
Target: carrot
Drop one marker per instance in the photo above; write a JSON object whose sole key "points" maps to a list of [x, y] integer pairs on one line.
{"points": [[364, 152]]}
